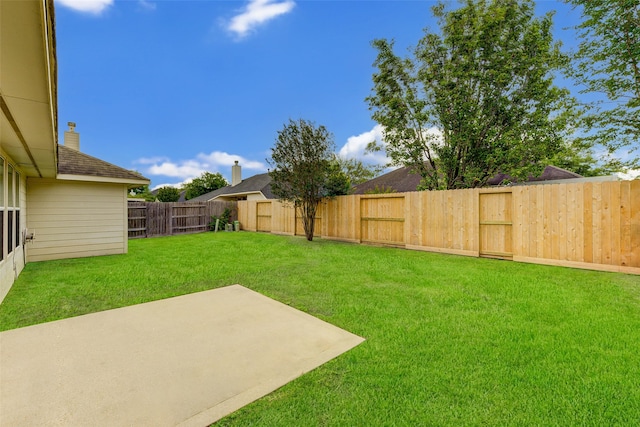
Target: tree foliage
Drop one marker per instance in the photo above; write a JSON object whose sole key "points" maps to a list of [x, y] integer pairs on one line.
{"points": [[476, 99], [345, 173], [338, 182], [143, 192], [203, 184], [168, 194], [357, 171], [383, 189], [608, 63], [301, 161]]}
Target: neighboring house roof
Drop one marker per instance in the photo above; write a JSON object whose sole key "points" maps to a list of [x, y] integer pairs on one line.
{"points": [[550, 173], [260, 183], [399, 180], [74, 165], [402, 180]]}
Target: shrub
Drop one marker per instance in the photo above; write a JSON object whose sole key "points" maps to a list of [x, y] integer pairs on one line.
{"points": [[168, 194], [224, 219]]}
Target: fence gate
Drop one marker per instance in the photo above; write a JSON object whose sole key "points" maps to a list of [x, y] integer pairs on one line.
{"points": [[263, 216], [382, 220], [496, 233]]}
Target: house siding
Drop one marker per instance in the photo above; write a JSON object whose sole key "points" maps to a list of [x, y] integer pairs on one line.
{"points": [[76, 219], [256, 196]]}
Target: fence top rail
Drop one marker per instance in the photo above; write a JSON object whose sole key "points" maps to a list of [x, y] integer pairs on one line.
{"points": [[495, 190], [382, 196]]}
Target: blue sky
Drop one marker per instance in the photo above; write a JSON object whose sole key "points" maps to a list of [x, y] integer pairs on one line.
{"points": [[173, 88]]}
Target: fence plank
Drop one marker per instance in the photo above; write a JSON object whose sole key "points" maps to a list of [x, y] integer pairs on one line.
{"points": [[615, 219], [625, 224], [634, 196], [597, 222]]}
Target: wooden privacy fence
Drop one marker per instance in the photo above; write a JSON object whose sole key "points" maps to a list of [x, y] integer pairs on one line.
{"points": [[594, 225], [149, 219]]}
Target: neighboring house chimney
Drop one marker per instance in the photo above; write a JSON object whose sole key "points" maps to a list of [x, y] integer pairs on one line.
{"points": [[71, 138], [236, 174]]}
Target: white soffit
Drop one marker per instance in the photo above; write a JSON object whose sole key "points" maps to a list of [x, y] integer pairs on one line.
{"points": [[27, 130]]}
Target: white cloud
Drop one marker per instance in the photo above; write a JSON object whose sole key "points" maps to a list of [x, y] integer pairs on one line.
{"points": [[356, 146], [151, 160], [95, 7], [258, 12], [629, 175], [220, 158], [174, 185], [186, 170], [147, 5]]}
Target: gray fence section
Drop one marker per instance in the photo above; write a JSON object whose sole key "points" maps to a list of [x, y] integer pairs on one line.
{"points": [[150, 219]]}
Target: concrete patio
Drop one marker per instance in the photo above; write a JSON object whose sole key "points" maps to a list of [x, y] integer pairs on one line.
{"points": [[184, 361]]}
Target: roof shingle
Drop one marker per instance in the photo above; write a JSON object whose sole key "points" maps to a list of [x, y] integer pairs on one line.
{"points": [[404, 180], [72, 162]]}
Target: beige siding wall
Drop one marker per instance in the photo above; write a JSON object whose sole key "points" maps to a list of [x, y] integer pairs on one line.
{"points": [[256, 196], [76, 219]]}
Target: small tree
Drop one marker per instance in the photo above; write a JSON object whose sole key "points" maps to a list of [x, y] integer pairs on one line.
{"points": [[204, 184], [223, 220], [301, 161], [168, 194]]}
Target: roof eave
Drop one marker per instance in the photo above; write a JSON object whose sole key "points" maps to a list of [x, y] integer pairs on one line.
{"points": [[88, 178]]}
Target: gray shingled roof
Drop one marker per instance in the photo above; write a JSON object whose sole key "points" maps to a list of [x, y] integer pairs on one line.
{"points": [[402, 180], [72, 162], [550, 173], [260, 182]]}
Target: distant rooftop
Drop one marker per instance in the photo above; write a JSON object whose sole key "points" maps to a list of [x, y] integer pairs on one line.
{"points": [[257, 183]]}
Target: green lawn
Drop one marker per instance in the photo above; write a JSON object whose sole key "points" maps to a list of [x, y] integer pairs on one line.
{"points": [[449, 340]]}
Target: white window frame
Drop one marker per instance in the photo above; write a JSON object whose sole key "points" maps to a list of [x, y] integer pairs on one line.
{"points": [[3, 216]]}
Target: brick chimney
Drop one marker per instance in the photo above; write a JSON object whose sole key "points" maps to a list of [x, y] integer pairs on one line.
{"points": [[71, 138], [236, 174]]}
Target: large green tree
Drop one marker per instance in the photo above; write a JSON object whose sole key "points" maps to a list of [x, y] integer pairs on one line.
{"points": [[607, 62], [301, 161], [477, 98], [203, 184]]}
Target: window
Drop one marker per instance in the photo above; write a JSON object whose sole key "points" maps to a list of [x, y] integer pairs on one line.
{"points": [[17, 209], [10, 209], [2, 208]]}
